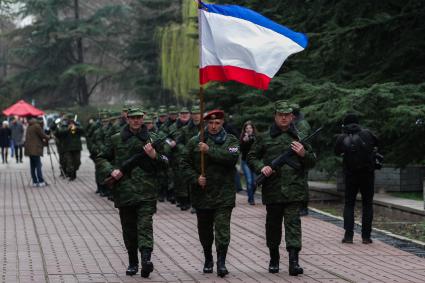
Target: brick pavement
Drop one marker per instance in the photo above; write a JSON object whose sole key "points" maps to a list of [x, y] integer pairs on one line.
{"points": [[66, 233]]}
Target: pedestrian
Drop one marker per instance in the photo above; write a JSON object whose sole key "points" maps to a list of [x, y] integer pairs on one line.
{"points": [[135, 194], [283, 191], [5, 135], [35, 140], [213, 194], [246, 140], [17, 130], [357, 147]]}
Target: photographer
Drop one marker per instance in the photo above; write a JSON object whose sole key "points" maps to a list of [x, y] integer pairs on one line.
{"points": [[357, 146], [247, 138]]}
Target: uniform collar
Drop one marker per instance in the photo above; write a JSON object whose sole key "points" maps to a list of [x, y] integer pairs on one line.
{"points": [[142, 135]]}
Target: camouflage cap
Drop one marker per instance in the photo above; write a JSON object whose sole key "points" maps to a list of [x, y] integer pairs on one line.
{"points": [[162, 111], [135, 111], [184, 109], [148, 118], [70, 116], [295, 107], [172, 109], [282, 106], [196, 109], [125, 108]]}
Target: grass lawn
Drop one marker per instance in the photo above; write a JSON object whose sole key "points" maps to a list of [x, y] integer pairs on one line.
{"points": [[408, 195]]}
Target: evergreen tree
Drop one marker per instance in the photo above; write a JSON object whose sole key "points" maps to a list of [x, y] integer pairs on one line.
{"points": [[51, 52]]}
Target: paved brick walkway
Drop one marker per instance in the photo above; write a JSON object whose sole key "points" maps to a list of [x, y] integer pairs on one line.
{"points": [[66, 233]]}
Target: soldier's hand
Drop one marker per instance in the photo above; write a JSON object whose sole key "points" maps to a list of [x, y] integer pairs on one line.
{"points": [[116, 174], [203, 147], [267, 171], [202, 181], [298, 148], [150, 150]]}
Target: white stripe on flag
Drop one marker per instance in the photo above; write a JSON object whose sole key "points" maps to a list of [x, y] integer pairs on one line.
{"points": [[230, 41]]}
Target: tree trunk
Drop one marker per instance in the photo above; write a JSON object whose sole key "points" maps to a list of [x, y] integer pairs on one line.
{"points": [[83, 93]]}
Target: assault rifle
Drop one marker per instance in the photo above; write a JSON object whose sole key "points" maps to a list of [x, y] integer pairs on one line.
{"points": [[285, 158], [135, 161]]}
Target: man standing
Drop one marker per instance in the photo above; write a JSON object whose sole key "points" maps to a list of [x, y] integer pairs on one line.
{"points": [[213, 194], [17, 136], [135, 194], [357, 146], [34, 142], [284, 190]]}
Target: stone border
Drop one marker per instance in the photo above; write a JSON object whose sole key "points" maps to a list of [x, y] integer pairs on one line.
{"points": [[405, 244]]}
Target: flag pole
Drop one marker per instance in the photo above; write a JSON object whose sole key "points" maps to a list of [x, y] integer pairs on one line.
{"points": [[202, 125], [201, 95]]}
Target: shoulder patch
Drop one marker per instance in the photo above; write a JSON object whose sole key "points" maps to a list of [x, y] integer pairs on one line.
{"points": [[233, 149]]}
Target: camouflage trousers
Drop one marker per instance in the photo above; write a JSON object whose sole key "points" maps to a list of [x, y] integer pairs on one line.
{"points": [[290, 215], [137, 225], [181, 188], [72, 161], [218, 220]]}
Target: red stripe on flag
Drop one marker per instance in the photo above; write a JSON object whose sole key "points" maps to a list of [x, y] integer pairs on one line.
{"points": [[231, 73]]}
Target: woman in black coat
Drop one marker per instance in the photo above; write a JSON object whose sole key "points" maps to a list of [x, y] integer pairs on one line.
{"points": [[5, 134]]}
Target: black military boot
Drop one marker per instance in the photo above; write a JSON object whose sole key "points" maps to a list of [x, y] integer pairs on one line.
{"points": [[294, 267], [221, 263], [348, 237], [274, 260], [209, 261], [147, 265], [133, 263]]}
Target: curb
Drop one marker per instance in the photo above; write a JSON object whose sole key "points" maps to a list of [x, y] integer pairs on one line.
{"points": [[403, 243]]}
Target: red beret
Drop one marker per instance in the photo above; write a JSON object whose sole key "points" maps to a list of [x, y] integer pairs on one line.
{"points": [[214, 114]]}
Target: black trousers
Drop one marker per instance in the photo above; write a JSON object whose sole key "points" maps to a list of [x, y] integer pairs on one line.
{"points": [[355, 182], [18, 152]]}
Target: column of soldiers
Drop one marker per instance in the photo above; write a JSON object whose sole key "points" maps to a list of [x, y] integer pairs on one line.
{"points": [[154, 157]]}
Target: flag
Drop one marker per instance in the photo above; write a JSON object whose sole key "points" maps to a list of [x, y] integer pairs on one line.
{"points": [[238, 44]]}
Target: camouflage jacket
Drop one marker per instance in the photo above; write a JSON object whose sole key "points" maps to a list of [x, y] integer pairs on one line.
{"points": [[70, 139], [220, 161], [285, 184], [141, 183]]}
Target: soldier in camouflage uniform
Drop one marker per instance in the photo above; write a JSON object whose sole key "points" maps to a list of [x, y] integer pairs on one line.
{"points": [[284, 190], [165, 130], [174, 151], [304, 130], [98, 146], [71, 134], [149, 122], [163, 180], [135, 193], [213, 195], [191, 130]]}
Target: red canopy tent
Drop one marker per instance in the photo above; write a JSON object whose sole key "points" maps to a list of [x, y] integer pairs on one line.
{"points": [[22, 108]]}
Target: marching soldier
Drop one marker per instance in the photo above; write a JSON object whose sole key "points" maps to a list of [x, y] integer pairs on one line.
{"points": [[284, 190], [175, 150], [213, 194], [70, 134], [135, 194], [304, 129]]}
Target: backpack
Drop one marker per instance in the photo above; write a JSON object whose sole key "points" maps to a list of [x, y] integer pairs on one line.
{"points": [[359, 152]]}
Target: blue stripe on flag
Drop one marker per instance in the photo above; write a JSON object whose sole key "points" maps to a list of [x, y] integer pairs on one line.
{"points": [[256, 18]]}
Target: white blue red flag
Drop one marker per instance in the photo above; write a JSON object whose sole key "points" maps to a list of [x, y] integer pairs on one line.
{"points": [[238, 44]]}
